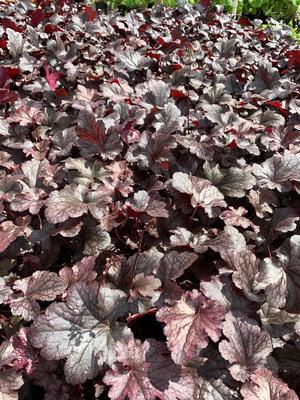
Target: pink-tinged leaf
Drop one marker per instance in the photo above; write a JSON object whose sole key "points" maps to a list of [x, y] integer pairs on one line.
{"points": [[128, 133], [190, 322], [41, 285], [65, 204], [10, 381], [284, 219], [5, 290], [83, 330], [25, 356], [82, 271], [119, 178], [142, 202], [70, 228], [52, 77], [116, 92], [8, 234], [28, 201], [145, 371], [203, 193], [235, 217], [28, 115], [129, 376], [261, 200], [263, 385], [280, 278], [247, 347], [145, 286]]}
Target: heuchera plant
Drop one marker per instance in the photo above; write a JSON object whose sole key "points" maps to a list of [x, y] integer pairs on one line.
{"points": [[150, 181]]}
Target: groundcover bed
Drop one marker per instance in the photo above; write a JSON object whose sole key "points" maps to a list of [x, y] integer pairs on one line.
{"points": [[150, 180]]}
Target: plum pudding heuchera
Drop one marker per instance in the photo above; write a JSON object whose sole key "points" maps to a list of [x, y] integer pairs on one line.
{"points": [[149, 199]]}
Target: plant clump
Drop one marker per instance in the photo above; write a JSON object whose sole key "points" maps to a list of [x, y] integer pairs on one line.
{"points": [[150, 181]]}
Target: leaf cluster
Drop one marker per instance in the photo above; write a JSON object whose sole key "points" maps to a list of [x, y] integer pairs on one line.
{"points": [[149, 205]]}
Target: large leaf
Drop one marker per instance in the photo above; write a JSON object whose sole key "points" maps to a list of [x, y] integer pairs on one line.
{"points": [[278, 172], [10, 380], [247, 347], [74, 201], [5, 290], [280, 279], [232, 182], [190, 322], [129, 377], [83, 330], [8, 234], [263, 385], [173, 265], [41, 285], [203, 193]]}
